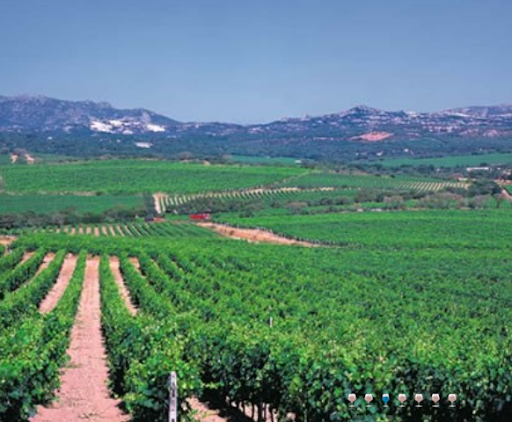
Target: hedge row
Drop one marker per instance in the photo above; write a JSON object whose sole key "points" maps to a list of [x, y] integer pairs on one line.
{"points": [[32, 355], [13, 279], [8, 262], [24, 301], [142, 350]]}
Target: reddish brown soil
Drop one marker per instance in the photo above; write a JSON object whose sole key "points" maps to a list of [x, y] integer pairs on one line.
{"points": [[204, 412], [222, 412], [84, 394], [7, 240], [253, 235], [135, 261], [373, 136], [506, 195], [46, 261], [125, 294], [53, 297], [26, 257], [120, 231], [157, 197]]}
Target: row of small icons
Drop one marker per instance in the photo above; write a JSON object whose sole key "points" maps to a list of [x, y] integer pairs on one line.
{"points": [[452, 398]]}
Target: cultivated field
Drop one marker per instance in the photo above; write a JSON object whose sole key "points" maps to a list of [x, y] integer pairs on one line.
{"points": [[453, 161], [261, 326], [368, 316], [395, 230], [325, 179], [141, 176], [131, 230], [54, 203]]}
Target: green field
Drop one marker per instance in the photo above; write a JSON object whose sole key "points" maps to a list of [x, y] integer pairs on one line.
{"points": [[125, 176], [452, 161], [412, 302], [395, 230], [45, 204], [5, 159], [340, 180], [271, 198], [245, 159], [416, 301]]}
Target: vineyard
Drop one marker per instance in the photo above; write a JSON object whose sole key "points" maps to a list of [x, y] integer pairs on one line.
{"points": [[452, 161], [131, 230], [96, 312], [165, 202], [324, 179], [274, 330], [396, 230], [135, 177], [54, 203], [311, 187]]}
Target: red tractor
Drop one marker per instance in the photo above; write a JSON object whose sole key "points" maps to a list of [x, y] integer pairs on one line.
{"points": [[200, 217]]}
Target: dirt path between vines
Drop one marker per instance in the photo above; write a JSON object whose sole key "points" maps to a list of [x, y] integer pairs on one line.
{"points": [[26, 257], [125, 294], [135, 262], [7, 240], [120, 231], [157, 197], [84, 394], [47, 260], [53, 297], [254, 235], [506, 195]]}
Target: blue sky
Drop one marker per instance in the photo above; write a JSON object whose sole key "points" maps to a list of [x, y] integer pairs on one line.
{"points": [[256, 61]]}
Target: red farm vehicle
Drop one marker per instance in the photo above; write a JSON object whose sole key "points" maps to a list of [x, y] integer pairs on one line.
{"points": [[200, 217]]}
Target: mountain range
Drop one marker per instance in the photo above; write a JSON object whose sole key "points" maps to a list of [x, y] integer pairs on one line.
{"points": [[38, 114]]}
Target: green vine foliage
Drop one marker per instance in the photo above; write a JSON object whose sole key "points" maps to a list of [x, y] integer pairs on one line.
{"points": [[33, 351]]}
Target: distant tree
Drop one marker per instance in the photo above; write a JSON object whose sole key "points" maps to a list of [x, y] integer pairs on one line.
{"points": [[185, 156], [367, 195], [442, 200], [395, 202], [499, 198], [297, 207], [479, 202]]}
